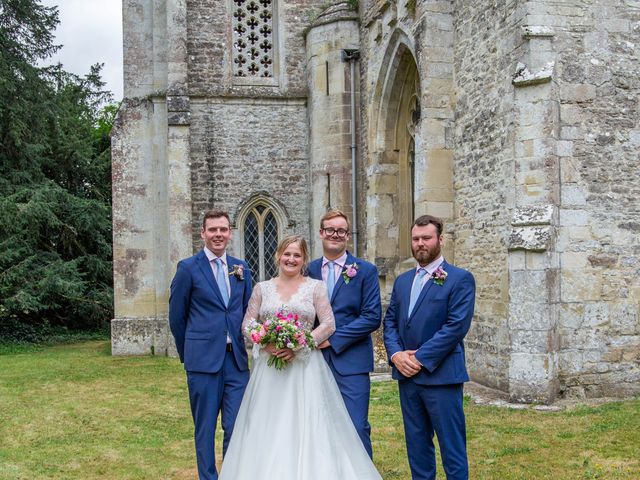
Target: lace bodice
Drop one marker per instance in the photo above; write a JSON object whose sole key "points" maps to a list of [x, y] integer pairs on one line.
{"points": [[309, 301]]}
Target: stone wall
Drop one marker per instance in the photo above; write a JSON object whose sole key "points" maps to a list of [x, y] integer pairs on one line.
{"points": [[598, 51], [241, 147], [485, 52]]}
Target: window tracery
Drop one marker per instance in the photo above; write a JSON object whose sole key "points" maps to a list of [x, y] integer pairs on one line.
{"points": [[253, 38]]}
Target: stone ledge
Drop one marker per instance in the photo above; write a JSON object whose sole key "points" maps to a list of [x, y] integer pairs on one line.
{"points": [[523, 77], [537, 31]]}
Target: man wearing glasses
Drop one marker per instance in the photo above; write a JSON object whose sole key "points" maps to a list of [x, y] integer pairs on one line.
{"points": [[354, 293]]}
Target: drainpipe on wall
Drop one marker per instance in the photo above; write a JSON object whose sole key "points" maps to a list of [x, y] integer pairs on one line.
{"points": [[352, 56]]}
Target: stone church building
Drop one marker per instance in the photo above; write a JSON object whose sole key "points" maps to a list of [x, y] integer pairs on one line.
{"points": [[517, 121]]}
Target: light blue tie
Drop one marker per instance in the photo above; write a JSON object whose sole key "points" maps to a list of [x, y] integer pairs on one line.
{"points": [[222, 281], [331, 278], [417, 288]]}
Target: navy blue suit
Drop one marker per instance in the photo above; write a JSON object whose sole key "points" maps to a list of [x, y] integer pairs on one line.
{"points": [[357, 310], [200, 323], [431, 400]]}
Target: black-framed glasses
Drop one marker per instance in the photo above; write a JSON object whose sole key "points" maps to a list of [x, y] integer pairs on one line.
{"points": [[339, 232]]}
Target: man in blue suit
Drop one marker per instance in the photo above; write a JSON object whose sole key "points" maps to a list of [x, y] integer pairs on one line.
{"points": [[354, 294], [209, 296], [428, 317]]}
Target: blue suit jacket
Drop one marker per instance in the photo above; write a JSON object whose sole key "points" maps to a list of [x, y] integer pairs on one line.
{"points": [[356, 307], [198, 318], [439, 321]]}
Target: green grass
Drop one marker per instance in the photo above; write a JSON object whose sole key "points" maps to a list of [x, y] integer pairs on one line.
{"points": [[75, 412]]}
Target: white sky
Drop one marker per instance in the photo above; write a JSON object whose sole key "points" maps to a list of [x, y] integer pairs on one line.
{"points": [[90, 32]]}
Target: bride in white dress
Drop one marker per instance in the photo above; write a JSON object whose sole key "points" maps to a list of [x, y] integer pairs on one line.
{"points": [[292, 424]]}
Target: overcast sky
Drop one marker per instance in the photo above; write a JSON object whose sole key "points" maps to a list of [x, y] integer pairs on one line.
{"points": [[91, 32]]}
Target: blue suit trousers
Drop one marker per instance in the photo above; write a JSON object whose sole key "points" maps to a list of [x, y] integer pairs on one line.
{"points": [[429, 409], [355, 390], [210, 394]]}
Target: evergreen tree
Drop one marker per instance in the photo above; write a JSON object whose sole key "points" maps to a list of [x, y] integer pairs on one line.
{"points": [[55, 182]]}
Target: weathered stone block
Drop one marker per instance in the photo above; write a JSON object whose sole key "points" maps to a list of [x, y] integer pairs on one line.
{"points": [[573, 218], [142, 336], [527, 286], [577, 92], [536, 239], [532, 215], [530, 316], [532, 377], [580, 286], [624, 319], [532, 341]]}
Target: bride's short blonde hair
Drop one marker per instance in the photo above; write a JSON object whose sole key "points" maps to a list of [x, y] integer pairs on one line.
{"points": [[304, 249]]}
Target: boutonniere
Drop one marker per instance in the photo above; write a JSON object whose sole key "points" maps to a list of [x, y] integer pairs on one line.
{"points": [[349, 272], [237, 271], [439, 276]]}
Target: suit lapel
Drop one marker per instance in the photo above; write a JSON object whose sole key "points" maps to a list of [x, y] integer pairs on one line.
{"points": [[315, 269], [233, 280], [423, 293], [205, 267]]}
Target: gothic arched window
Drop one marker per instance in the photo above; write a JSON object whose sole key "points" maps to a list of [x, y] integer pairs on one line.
{"points": [[260, 235]]}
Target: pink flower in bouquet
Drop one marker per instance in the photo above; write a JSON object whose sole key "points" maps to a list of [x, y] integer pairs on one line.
{"points": [[255, 337]]}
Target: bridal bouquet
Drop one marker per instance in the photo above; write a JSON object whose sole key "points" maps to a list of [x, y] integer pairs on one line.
{"points": [[283, 330]]}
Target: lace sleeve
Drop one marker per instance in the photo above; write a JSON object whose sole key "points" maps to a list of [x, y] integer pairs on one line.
{"points": [[327, 323], [253, 310]]}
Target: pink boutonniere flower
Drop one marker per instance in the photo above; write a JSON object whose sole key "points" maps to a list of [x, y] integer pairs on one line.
{"points": [[439, 276], [349, 272], [237, 271]]}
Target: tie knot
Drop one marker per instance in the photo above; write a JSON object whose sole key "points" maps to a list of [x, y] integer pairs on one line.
{"points": [[421, 272]]}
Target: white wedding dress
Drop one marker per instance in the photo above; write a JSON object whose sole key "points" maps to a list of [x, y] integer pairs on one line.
{"points": [[292, 424]]}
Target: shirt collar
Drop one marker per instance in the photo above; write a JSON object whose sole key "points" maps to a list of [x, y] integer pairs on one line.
{"points": [[433, 266], [340, 261], [212, 256]]}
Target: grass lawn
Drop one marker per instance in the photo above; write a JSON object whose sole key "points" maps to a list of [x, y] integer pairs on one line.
{"points": [[75, 412]]}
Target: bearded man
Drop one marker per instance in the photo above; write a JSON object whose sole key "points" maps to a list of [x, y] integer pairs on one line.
{"points": [[428, 317]]}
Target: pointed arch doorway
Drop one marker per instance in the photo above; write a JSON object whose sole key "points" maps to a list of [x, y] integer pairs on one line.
{"points": [[395, 137]]}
